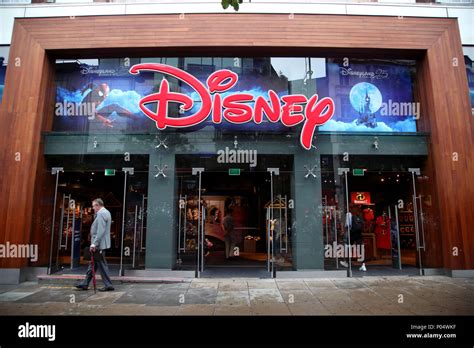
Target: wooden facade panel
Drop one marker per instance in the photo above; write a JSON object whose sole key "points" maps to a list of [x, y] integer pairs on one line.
{"points": [[21, 137], [269, 30], [441, 88]]}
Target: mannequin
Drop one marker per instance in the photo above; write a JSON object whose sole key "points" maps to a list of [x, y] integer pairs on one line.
{"points": [[368, 214], [382, 233], [369, 217]]}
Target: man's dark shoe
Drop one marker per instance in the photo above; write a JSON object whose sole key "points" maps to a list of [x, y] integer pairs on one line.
{"points": [[82, 286], [110, 288]]}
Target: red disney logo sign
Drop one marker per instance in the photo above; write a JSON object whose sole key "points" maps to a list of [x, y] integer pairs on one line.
{"points": [[235, 107]]}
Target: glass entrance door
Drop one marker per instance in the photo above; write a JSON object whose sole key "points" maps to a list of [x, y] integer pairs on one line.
{"points": [[79, 180], [223, 212], [418, 218], [66, 233], [133, 219], [66, 226], [277, 223], [201, 216], [189, 253], [375, 209]]}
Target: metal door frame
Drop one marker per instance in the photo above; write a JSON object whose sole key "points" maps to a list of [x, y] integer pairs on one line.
{"points": [[127, 171], [270, 235], [418, 219], [200, 227], [344, 171], [54, 171]]}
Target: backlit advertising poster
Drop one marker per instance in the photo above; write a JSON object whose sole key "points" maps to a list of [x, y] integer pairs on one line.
{"points": [[366, 97], [90, 98], [369, 97]]}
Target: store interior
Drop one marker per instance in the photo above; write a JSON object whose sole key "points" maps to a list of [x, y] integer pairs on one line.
{"points": [[380, 194], [88, 177], [246, 198]]}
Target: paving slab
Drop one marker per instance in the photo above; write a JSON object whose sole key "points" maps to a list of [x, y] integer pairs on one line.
{"points": [[173, 287], [204, 285], [195, 309], [270, 309], [265, 296], [308, 308], [104, 298], [200, 296], [340, 295], [136, 297], [12, 296], [349, 283], [233, 298], [56, 295], [233, 286], [168, 298], [292, 285], [338, 308], [320, 283], [5, 288], [232, 310], [239, 296], [262, 284], [298, 296], [113, 309]]}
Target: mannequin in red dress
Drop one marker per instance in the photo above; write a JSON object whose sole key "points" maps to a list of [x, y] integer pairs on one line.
{"points": [[382, 233]]}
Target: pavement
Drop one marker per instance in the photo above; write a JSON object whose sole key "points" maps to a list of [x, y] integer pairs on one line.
{"points": [[394, 295]]}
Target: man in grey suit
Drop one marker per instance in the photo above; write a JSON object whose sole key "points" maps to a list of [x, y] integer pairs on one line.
{"points": [[100, 241]]}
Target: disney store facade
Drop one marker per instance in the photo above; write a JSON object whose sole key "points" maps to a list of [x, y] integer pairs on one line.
{"points": [[217, 155]]}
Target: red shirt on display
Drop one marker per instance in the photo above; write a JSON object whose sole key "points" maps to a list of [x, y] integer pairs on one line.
{"points": [[382, 233], [368, 214]]}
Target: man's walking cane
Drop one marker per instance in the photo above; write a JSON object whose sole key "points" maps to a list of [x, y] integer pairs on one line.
{"points": [[93, 272]]}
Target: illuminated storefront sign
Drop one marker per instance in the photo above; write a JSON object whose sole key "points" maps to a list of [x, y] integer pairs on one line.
{"points": [[98, 97], [360, 197], [290, 110]]}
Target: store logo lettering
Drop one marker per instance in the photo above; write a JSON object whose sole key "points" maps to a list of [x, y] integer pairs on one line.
{"points": [[234, 107]]}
